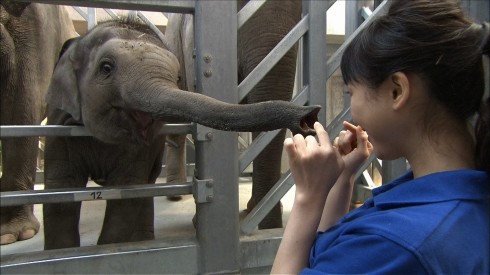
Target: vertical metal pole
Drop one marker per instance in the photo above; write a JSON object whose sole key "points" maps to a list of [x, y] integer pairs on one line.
{"points": [[91, 18], [216, 151], [315, 55], [393, 169]]}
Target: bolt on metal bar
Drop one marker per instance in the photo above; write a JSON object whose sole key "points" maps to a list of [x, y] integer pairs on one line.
{"points": [[64, 195]]}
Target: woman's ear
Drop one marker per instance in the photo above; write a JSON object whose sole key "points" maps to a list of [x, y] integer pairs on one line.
{"points": [[400, 83]]}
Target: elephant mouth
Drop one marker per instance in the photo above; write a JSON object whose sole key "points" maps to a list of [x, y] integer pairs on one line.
{"points": [[144, 121]]}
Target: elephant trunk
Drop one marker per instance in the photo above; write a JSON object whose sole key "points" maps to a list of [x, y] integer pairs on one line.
{"points": [[172, 104]]}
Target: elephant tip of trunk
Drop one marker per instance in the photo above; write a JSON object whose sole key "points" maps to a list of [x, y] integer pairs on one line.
{"points": [[307, 122]]}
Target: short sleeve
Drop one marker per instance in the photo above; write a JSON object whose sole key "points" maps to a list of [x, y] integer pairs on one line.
{"points": [[366, 254]]}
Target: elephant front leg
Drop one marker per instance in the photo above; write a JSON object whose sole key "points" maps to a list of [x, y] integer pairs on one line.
{"points": [[61, 225], [18, 174], [127, 220]]}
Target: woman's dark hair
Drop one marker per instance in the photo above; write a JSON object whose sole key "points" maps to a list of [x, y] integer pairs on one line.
{"points": [[433, 39]]}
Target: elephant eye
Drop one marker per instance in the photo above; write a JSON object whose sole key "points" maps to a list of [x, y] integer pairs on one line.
{"points": [[106, 67]]}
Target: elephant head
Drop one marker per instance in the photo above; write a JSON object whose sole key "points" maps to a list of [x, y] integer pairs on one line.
{"points": [[120, 77]]}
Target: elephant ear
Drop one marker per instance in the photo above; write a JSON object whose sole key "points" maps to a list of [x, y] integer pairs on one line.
{"points": [[63, 91]]}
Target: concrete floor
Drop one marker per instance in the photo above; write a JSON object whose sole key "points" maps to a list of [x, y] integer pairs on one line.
{"points": [[172, 219]]}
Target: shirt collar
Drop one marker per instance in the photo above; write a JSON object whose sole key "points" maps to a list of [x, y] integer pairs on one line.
{"points": [[436, 187]]}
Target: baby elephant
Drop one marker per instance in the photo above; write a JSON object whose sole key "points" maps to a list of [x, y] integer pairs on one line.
{"points": [[120, 82]]}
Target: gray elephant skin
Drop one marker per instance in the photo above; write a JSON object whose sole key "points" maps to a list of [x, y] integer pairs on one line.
{"points": [[120, 81], [256, 38], [31, 37]]}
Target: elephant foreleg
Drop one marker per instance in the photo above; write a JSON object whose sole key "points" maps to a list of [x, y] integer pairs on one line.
{"points": [[61, 225], [127, 220], [19, 170]]}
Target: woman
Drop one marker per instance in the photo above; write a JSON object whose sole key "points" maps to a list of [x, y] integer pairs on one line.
{"points": [[416, 83]]}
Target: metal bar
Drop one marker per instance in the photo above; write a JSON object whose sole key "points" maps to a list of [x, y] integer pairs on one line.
{"points": [[38, 130], [153, 27], [93, 193], [314, 55], [91, 18], [252, 220], [255, 148], [177, 6], [334, 61], [148, 257], [77, 131], [393, 169], [334, 128], [248, 11], [162, 256], [81, 12], [111, 13], [259, 250], [366, 12], [215, 32], [272, 58]]}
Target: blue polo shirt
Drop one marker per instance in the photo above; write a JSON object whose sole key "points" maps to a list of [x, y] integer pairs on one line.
{"points": [[439, 223]]}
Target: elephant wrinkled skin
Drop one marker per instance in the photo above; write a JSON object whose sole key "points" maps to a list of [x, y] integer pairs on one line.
{"points": [[31, 37], [256, 38], [120, 82]]}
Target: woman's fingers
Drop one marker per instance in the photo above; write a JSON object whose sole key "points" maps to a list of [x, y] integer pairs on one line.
{"points": [[362, 141], [323, 138], [289, 147]]}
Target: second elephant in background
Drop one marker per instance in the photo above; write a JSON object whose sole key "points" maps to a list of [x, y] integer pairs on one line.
{"points": [[256, 38]]}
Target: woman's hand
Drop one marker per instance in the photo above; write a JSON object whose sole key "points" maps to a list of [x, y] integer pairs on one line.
{"points": [[354, 147], [315, 165]]}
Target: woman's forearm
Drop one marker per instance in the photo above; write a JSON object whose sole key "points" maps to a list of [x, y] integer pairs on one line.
{"points": [[338, 201], [299, 234]]}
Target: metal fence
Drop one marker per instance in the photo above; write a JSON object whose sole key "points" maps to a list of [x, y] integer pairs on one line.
{"points": [[218, 247]]}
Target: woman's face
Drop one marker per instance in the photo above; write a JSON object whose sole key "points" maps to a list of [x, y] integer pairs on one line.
{"points": [[372, 110]]}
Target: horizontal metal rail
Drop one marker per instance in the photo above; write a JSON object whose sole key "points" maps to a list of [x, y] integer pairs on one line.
{"points": [[176, 6], [77, 131], [64, 195]]}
